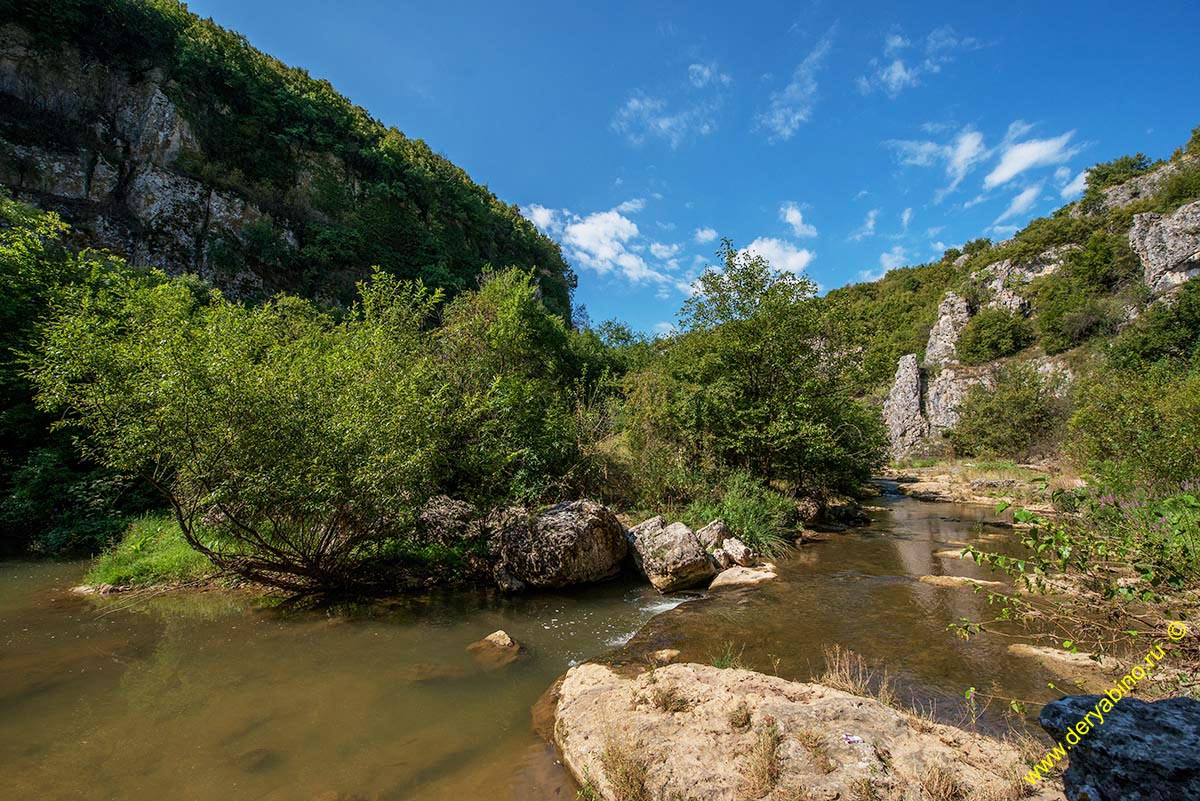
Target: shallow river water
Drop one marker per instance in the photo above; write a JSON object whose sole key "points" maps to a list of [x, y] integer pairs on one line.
{"points": [[210, 696]]}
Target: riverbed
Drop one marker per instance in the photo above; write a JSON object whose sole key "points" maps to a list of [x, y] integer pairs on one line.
{"points": [[212, 695]]}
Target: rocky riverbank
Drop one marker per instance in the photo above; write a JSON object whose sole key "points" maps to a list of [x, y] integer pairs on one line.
{"points": [[709, 734]]}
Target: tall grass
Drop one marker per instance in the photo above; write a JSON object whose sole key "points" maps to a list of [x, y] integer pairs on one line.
{"points": [[758, 516], [152, 551]]}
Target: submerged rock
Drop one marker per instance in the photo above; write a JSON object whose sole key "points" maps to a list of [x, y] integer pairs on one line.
{"points": [[569, 543], [671, 557], [960, 581], [1142, 751], [743, 576], [495, 650], [731, 734]]}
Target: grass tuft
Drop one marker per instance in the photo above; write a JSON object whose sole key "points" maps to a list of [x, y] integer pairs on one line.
{"points": [[814, 743], [739, 718], [760, 768], [848, 671], [152, 551], [668, 699], [727, 659], [625, 766]]}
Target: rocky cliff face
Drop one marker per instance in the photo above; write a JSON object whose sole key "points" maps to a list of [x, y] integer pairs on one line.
{"points": [[953, 316], [111, 169], [1168, 246]]}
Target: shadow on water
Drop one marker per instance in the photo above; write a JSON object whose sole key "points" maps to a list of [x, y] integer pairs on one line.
{"points": [[211, 696]]}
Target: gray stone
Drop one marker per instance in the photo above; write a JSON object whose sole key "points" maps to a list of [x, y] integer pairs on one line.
{"points": [[1143, 186], [721, 559], [739, 552], [1142, 752], [953, 315], [712, 535], [671, 557], [1168, 246], [447, 521], [902, 414], [570, 543]]}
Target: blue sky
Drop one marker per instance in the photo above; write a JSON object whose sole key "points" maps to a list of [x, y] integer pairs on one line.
{"points": [[838, 139]]}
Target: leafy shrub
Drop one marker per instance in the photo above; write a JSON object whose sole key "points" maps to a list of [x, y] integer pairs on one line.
{"points": [[1019, 417], [993, 334], [296, 447], [1181, 188], [1140, 426], [1117, 171], [1081, 300], [757, 515]]}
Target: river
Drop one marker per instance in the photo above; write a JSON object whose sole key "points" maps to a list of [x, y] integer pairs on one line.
{"points": [[216, 696]]}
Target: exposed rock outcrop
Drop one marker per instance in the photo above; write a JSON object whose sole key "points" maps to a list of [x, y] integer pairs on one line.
{"points": [[1002, 279], [1168, 245], [447, 521], [1142, 752], [902, 411], [953, 315], [1123, 194], [826, 743], [570, 543], [671, 556], [946, 392]]}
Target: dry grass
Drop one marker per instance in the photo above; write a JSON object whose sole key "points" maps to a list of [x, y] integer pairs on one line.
{"points": [[923, 718], [739, 718], [814, 743], [625, 765], [864, 790], [847, 671], [939, 784], [760, 768], [668, 699]]}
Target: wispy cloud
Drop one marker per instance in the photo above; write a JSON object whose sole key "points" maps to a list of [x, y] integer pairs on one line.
{"points": [[1017, 157], [791, 214], [905, 219], [1075, 187], [781, 254], [1021, 203], [643, 117], [867, 228], [958, 156], [701, 75], [632, 206], [896, 257], [904, 64], [791, 106]]}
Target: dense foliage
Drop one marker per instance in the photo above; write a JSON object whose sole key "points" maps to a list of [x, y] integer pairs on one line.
{"points": [[356, 193], [993, 334], [296, 448], [50, 501], [1020, 416], [760, 380]]}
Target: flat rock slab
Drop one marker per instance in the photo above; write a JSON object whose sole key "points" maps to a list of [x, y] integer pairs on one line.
{"points": [[950, 555], [743, 577], [615, 733]]}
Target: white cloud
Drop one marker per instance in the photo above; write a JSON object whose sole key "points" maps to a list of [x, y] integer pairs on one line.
{"points": [[905, 219], [546, 220], [790, 213], [704, 235], [1075, 187], [1021, 203], [792, 105], [632, 206], [897, 71], [780, 254], [868, 226], [896, 257], [894, 43], [643, 117], [1017, 157], [661, 251], [701, 75], [959, 156]]}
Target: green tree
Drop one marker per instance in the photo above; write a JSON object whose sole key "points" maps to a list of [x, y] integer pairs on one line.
{"points": [[993, 334]]}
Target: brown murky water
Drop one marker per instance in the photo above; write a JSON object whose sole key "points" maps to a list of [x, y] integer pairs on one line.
{"points": [[211, 697]]}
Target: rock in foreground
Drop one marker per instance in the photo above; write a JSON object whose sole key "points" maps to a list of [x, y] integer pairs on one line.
{"points": [[672, 557], [569, 543], [1142, 752], [698, 732]]}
